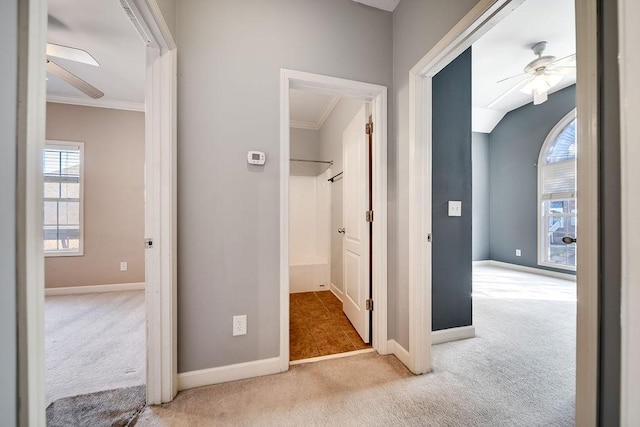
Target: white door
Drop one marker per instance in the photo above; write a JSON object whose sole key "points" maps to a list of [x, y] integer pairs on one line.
{"points": [[355, 253]]}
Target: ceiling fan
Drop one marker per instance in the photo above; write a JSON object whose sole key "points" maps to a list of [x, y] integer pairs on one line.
{"points": [[543, 73], [72, 54]]}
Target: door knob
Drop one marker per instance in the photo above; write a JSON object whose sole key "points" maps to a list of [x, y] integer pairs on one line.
{"points": [[567, 240], [341, 230]]}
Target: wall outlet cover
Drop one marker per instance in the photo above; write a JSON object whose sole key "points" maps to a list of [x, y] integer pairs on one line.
{"points": [[518, 252], [124, 266], [240, 325]]}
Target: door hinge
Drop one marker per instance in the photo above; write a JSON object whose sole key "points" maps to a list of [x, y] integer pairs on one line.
{"points": [[429, 238], [368, 128], [148, 243], [369, 216], [369, 304]]}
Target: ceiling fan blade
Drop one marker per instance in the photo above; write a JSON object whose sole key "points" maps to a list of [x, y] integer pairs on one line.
{"points": [[74, 80], [517, 86], [566, 59], [562, 71], [71, 53], [512, 77]]}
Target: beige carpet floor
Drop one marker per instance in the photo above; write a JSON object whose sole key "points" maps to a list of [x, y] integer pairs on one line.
{"points": [[518, 371], [93, 342]]}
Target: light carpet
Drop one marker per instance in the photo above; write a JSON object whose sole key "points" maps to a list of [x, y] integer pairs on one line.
{"points": [[518, 371], [94, 342]]}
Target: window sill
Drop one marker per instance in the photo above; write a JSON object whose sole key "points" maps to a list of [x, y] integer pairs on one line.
{"points": [[62, 254]]}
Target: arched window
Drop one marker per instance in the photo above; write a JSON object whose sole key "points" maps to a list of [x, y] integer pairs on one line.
{"points": [[557, 209]]}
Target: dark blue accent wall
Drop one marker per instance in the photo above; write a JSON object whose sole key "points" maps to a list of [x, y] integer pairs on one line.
{"points": [[451, 247], [514, 147], [609, 193]]}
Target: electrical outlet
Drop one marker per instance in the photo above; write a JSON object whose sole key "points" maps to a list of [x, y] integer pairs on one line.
{"points": [[123, 266], [518, 252], [240, 325]]}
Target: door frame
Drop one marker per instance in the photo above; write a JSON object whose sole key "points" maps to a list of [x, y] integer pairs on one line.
{"points": [[476, 23], [160, 215], [377, 95], [629, 33]]}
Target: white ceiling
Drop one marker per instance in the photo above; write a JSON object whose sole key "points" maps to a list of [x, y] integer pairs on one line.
{"points": [[505, 50], [102, 28], [388, 5], [309, 110]]}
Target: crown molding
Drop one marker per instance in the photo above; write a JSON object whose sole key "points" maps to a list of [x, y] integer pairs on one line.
{"points": [[303, 125], [326, 111], [99, 103]]}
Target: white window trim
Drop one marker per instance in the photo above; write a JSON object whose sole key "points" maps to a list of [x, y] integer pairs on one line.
{"points": [[557, 129], [80, 252]]}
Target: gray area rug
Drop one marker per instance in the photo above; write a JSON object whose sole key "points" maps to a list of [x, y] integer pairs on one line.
{"points": [[119, 407]]}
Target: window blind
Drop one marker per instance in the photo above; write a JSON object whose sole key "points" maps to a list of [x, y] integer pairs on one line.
{"points": [[559, 179], [61, 167]]}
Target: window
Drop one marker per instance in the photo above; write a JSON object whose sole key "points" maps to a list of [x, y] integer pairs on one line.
{"points": [[62, 164], [557, 209]]}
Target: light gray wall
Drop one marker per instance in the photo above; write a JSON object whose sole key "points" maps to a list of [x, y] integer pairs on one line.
{"points": [[514, 147], [417, 26], [168, 10], [8, 97], [331, 149], [231, 53], [480, 221], [451, 172], [305, 144]]}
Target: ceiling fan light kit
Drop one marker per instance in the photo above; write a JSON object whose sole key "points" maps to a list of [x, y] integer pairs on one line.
{"points": [[543, 73], [540, 85]]}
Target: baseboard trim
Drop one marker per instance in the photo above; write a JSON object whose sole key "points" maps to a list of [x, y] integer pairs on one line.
{"points": [[481, 262], [90, 289], [533, 270], [223, 374], [331, 356], [452, 334], [337, 292], [399, 351]]}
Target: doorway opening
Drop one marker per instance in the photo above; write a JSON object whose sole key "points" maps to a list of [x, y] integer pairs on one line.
{"points": [[333, 247], [159, 137], [328, 189], [423, 78], [94, 206]]}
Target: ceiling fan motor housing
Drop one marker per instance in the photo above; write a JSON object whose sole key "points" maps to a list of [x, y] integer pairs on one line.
{"points": [[539, 64]]}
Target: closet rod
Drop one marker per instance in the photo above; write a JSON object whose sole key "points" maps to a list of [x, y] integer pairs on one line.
{"points": [[312, 161], [335, 176]]}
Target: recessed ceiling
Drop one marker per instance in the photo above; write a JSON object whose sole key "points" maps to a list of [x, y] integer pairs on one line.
{"points": [[505, 50], [309, 110], [102, 28], [388, 5]]}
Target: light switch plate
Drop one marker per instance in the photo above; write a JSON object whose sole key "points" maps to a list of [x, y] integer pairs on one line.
{"points": [[455, 208]]}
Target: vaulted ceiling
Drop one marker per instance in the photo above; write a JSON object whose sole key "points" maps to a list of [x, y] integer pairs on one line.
{"points": [[505, 50]]}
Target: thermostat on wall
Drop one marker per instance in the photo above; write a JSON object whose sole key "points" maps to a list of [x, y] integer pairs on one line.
{"points": [[255, 158]]}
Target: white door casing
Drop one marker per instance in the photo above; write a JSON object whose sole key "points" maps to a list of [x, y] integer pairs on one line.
{"points": [[355, 252], [376, 95]]}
